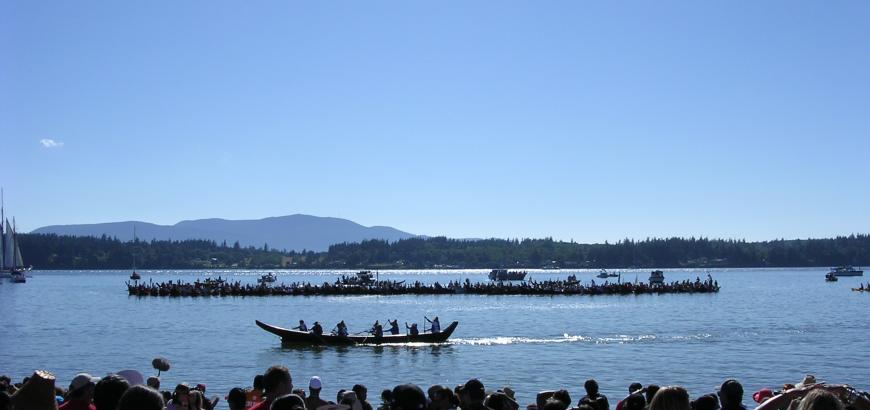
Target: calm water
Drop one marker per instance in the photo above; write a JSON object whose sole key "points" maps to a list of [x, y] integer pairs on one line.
{"points": [[765, 327]]}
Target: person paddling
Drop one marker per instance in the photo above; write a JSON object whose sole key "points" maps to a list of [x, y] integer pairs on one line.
{"points": [[342, 329], [377, 330], [317, 329], [394, 326], [412, 330], [435, 325], [302, 326]]}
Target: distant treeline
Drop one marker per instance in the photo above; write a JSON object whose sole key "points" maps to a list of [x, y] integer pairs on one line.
{"points": [[66, 252]]}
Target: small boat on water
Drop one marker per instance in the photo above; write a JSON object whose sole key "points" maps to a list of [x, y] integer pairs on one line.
{"points": [[268, 278], [135, 276], [296, 337], [11, 263], [17, 277], [830, 277], [656, 277], [846, 270], [603, 274], [504, 274]]}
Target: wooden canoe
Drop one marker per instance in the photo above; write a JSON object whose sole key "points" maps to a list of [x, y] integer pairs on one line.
{"points": [[290, 336]]}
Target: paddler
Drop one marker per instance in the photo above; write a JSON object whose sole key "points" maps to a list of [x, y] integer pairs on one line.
{"points": [[342, 329], [394, 326], [412, 330], [317, 329], [435, 325], [377, 330], [302, 326]]}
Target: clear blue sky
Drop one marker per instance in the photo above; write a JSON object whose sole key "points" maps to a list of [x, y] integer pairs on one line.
{"points": [[570, 119]]}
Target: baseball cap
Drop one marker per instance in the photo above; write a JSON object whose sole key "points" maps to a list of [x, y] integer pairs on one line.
{"points": [[315, 383]]}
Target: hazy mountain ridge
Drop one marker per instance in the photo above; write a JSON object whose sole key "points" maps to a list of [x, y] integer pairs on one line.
{"points": [[291, 232]]}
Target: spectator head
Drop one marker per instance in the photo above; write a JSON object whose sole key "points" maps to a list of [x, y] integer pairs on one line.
{"points": [[277, 381], [634, 401], [236, 399], [5, 400], [591, 387], [554, 404], [731, 393], [288, 402], [82, 387], [350, 399], [108, 392], [314, 385], [670, 398], [339, 395], [141, 398], [258, 383], [501, 401], [361, 391], [408, 397], [762, 395], [36, 393], [472, 392], [651, 391], [634, 387], [181, 395], [820, 399], [563, 396], [387, 396], [299, 392], [195, 400], [706, 402], [153, 382]]}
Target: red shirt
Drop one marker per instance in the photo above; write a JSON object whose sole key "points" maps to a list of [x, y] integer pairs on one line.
{"points": [[263, 405], [77, 405]]}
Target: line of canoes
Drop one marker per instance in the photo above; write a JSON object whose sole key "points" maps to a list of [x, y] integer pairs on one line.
{"points": [[389, 288]]}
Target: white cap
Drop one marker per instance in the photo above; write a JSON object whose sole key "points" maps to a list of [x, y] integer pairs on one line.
{"points": [[314, 383]]}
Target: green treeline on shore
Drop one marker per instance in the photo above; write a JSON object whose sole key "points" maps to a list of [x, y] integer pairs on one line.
{"points": [[67, 252]]}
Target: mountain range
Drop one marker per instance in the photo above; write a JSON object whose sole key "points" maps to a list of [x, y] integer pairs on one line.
{"points": [[292, 232]]}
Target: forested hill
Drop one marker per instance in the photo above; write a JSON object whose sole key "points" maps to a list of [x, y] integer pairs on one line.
{"points": [[67, 252]]}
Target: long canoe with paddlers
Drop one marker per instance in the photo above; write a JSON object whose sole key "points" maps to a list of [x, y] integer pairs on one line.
{"points": [[291, 337]]}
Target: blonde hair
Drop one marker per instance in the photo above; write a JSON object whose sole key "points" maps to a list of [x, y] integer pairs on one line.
{"points": [[194, 400], [670, 398]]}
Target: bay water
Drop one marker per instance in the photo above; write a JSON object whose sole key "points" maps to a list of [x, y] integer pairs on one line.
{"points": [[765, 327]]}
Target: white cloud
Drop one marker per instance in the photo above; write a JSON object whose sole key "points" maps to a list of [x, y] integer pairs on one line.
{"points": [[50, 143]]}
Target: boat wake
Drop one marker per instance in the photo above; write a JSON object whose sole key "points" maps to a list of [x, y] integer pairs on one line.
{"points": [[566, 338]]}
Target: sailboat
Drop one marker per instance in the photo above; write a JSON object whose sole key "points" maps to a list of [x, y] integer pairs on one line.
{"points": [[11, 263]]}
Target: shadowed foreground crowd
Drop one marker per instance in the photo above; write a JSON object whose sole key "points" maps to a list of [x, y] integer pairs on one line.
{"points": [[274, 390]]}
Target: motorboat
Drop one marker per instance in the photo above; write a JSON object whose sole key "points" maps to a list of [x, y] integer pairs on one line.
{"points": [[846, 270], [268, 278], [504, 274], [656, 277]]}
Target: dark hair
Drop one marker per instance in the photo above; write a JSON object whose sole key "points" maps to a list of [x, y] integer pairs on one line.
{"points": [[274, 376], [108, 392], [731, 392], [236, 398], [258, 382], [339, 395], [591, 386], [361, 391], [5, 400], [554, 404], [706, 402], [634, 387], [141, 398], [288, 402], [563, 396], [634, 402], [387, 396], [651, 391]]}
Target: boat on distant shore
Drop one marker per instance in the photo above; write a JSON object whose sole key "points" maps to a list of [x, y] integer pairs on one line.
{"points": [[846, 270], [603, 274], [656, 277], [504, 274], [268, 278], [830, 277], [296, 337]]}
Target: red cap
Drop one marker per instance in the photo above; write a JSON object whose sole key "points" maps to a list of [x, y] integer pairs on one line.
{"points": [[762, 395]]}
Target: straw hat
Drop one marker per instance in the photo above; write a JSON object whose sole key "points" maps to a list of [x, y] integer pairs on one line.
{"points": [[37, 393]]}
